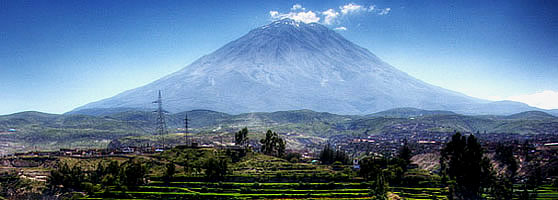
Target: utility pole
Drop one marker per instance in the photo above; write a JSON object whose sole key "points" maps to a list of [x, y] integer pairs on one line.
{"points": [[161, 125]]}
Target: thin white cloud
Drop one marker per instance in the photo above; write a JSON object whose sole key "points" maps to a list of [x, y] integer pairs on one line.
{"points": [[297, 7], [546, 99], [384, 11], [341, 28], [273, 14], [330, 15], [302, 16], [350, 8], [306, 17]]}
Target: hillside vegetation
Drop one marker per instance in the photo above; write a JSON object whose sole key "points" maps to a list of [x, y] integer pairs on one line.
{"points": [[43, 131]]}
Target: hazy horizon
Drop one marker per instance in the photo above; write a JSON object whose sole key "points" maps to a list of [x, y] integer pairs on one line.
{"points": [[58, 56]]}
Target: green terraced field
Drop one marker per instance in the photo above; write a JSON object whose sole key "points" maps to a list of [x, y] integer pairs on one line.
{"points": [[238, 190], [234, 190], [545, 192], [264, 177], [420, 193], [278, 180]]}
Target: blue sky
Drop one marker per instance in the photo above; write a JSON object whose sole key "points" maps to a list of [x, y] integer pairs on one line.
{"points": [[57, 55]]}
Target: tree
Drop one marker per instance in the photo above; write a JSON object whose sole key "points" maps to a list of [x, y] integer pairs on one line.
{"points": [[133, 173], [534, 175], [405, 154], [326, 156], [241, 137], [215, 168], [293, 157], [504, 154], [106, 173], [463, 161], [330, 155], [272, 144], [169, 172], [69, 177], [380, 187], [111, 174], [369, 168]]}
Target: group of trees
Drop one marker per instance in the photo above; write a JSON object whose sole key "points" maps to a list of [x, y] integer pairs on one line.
{"points": [[469, 173], [464, 167], [272, 144], [373, 170], [241, 137], [384, 171], [131, 173], [388, 169], [502, 184], [378, 171], [216, 167], [330, 155], [170, 170]]}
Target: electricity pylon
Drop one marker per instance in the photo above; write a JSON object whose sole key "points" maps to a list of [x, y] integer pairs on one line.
{"points": [[161, 125]]}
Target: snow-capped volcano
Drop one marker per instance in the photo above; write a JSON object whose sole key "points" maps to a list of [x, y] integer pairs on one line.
{"points": [[288, 65]]}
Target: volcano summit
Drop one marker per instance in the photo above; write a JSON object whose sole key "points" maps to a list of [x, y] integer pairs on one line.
{"points": [[289, 65]]}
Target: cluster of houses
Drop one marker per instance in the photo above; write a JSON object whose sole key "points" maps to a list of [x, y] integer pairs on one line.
{"points": [[89, 152], [543, 145]]}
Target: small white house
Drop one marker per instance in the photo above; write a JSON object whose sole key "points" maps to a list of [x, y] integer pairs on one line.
{"points": [[127, 150]]}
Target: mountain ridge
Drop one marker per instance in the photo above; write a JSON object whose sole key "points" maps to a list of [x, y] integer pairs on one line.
{"points": [[288, 65]]}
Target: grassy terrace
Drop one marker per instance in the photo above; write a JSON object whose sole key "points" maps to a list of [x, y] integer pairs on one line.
{"points": [[258, 176], [231, 190], [420, 193]]}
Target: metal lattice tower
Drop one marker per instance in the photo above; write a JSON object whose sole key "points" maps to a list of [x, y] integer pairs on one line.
{"points": [[161, 125]]}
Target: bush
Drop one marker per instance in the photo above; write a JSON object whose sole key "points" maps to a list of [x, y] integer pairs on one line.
{"points": [[293, 157], [66, 176], [330, 155], [256, 185], [133, 174], [216, 168], [88, 187], [169, 172], [245, 190]]}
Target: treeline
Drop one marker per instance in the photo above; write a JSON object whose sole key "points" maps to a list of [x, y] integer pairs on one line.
{"points": [[464, 168], [213, 165], [378, 171], [331, 155], [131, 173], [123, 176], [470, 174]]}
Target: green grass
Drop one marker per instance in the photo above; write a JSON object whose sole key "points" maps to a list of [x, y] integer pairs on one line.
{"points": [[420, 193]]}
